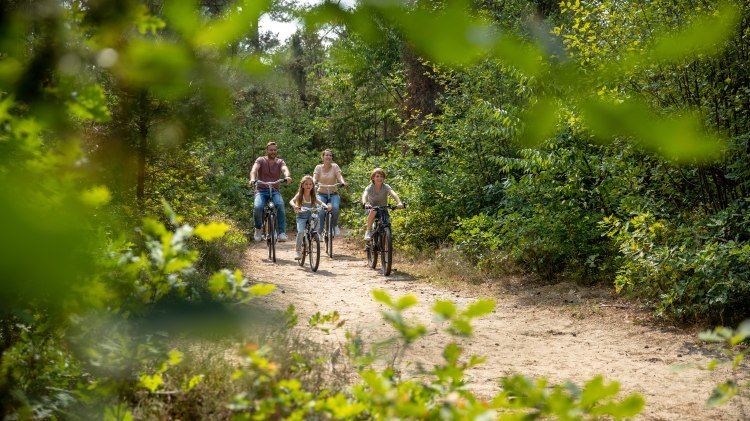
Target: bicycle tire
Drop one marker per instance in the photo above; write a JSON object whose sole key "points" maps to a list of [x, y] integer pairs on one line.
{"points": [[372, 251], [303, 252], [271, 237], [386, 251], [314, 251]]}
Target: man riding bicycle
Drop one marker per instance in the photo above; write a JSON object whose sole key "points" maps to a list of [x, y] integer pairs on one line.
{"points": [[267, 169]]}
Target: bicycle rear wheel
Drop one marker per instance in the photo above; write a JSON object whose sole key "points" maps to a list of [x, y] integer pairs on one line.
{"points": [[314, 250], [386, 250], [271, 236]]}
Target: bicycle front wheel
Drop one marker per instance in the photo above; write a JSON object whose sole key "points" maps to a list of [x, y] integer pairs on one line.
{"points": [[372, 251], [314, 251], [386, 251], [271, 236]]}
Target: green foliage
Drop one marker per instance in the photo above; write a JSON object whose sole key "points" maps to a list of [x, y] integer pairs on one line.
{"points": [[733, 344], [442, 394], [692, 272], [225, 251]]}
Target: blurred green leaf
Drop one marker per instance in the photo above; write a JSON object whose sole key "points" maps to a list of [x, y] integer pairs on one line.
{"points": [[445, 309], [154, 227], [405, 302], [96, 196], [211, 231], [175, 357], [259, 290], [10, 71], [540, 121], [240, 20], [595, 390], [461, 327], [675, 137], [89, 103], [145, 22], [479, 308], [182, 17], [523, 56], [451, 353], [704, 35], [163, 68], [449, 36], [152, 383], [629, 407], [218, 283], [722, 393], [382, 296]]}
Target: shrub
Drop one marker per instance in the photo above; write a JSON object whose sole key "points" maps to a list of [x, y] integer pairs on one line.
{"points": [[223, 252]]}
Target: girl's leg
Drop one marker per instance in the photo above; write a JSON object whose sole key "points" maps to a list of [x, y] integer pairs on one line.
{"points": [[300, 233]]}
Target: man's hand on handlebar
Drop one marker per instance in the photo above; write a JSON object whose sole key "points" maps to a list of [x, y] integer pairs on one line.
{"points": [[288, 180]]}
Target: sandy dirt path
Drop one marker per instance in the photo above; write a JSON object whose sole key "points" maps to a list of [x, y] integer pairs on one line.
{"points": [[559, 332]]}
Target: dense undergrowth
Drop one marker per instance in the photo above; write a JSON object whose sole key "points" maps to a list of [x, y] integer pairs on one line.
{"points": [[571, 141]]}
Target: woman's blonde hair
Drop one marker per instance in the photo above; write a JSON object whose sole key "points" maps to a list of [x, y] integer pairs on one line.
{"points": [[377, 171], [301, 190]]}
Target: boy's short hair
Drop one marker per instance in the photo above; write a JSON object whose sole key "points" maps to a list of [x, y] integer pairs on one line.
{"points": [[377, 171]]}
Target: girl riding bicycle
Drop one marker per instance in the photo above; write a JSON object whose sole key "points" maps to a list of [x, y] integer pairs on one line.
{"points": [[305, 198], [376, 194]]}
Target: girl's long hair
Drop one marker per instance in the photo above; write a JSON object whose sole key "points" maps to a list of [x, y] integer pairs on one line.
{"points": [[301, 191]]}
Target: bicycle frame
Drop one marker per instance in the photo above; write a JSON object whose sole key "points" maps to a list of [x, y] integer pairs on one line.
{"points": [[381, 240], [328, 228], [311, 240], [269, 217]]}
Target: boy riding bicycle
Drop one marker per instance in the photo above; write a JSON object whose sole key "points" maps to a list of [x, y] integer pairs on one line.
{"points": [[376, 194]]}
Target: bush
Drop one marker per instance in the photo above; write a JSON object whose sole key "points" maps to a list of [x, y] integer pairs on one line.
{"points": [[224, 252], [688, 270]]}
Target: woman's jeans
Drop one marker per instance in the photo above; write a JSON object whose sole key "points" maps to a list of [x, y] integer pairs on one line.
{"points": [[335, 200], [302, 218], [261, 197]]}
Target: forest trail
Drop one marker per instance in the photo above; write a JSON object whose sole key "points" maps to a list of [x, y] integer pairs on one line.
{"points": [[559, 332]]}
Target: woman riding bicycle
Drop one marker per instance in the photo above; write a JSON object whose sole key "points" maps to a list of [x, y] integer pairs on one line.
{"points": [[329, 174], [304, 199], [269, 168], [376, 194]]}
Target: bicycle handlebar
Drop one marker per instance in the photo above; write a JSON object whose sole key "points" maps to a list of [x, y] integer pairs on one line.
{"points": [[391, 207], [269, 183]]}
